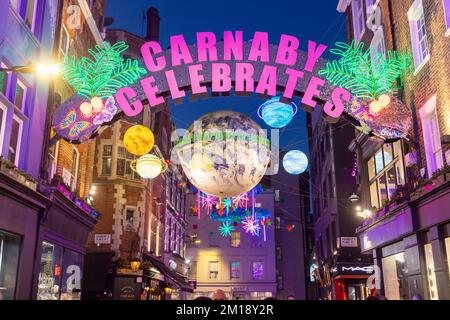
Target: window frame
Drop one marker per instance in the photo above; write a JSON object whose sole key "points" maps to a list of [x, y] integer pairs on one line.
{"points": [[262, 277], [415, 14], [2, 126], [102, 173], [210, 271], [19, 139], [396, 159], [232, 239], [239, 270], [355, 18], [429, 118]]}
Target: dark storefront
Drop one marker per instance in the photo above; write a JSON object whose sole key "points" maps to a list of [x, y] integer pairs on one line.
{"points": [[42, 242]]}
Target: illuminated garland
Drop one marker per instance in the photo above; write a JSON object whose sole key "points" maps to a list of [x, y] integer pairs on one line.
{"points": [[104, 73], [363, 75]]}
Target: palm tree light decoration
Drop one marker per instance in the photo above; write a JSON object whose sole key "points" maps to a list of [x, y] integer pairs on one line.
{"points": [[368, 77]]}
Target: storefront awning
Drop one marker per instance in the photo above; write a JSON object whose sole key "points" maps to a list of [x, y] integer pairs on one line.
{"points": [[170, 274]]}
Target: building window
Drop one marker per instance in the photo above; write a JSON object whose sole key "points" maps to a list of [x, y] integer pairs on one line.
{"points": [[4, 79], [277, 222], [65, 42], [377, 46], [431, 275], [395, 276], [124, 159], [2, 125], [213, 270], [20, 95], [167, 233], [106, 160], [213, 240], [129, 219], [9, 261], [15, 140], [358, 19], [446, 4], [235, 270], [235, 239], [386, 173], [280, 282], [257, 270], [431, 136], [60, 273], [419, 41]]}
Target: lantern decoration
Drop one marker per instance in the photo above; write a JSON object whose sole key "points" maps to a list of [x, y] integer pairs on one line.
{"points": [[295, 162], [251, 225], [138, 140], [226, 228], [148, 166], [99, 112], [276, 113], [290, 227]]}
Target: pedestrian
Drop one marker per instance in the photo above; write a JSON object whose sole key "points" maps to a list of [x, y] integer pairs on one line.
{"points": [[219, 295]]}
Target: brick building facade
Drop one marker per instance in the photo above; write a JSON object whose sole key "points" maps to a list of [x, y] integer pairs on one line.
{"points": [[405, 183]]}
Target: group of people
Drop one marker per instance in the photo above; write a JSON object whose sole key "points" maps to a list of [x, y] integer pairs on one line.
{"points": [[220, 295]]}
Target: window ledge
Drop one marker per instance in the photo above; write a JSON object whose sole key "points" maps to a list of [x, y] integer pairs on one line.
{"points": [[424, 62]]}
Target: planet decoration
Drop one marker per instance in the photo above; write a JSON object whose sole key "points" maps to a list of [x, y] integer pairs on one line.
{"points": [[295, 162], [276, 113], [224, 153], [148, 166], [138, 140]]}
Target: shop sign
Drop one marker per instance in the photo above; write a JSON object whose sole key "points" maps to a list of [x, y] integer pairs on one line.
{"points": [[352, 269], [102, 239], [348, 242]]}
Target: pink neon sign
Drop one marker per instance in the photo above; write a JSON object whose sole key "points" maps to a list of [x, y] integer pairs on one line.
{"points": [[232, 64]]}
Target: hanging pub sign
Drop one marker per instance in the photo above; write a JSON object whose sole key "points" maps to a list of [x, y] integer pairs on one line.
{"points": [[108, 85]]}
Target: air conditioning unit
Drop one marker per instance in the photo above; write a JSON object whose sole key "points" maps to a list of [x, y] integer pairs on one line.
{"points": [[410, 159]]}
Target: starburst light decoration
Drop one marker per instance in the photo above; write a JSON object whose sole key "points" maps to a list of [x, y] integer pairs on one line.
{"points": [[251, 225], [226, 228]]}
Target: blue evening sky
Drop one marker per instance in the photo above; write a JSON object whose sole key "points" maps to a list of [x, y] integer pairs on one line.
{"points": [[315, 20]]}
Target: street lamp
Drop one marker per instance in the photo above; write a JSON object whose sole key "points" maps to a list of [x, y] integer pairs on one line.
{"points": [[43, 69], [135, 264], [353, 198]]}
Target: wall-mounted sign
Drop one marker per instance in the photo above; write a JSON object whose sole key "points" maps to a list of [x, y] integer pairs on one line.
{"points": [[348, 242], [352, 269], [102, 239]]}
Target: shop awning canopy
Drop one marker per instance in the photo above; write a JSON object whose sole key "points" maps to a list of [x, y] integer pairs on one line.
{"points": [[169, 273]]}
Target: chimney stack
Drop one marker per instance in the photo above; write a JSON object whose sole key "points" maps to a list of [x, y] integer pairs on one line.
{"points": [[152, 24]]}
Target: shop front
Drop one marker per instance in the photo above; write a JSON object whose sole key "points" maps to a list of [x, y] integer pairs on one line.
{"points": [[411, 247], [349, 281], [42, 243]]}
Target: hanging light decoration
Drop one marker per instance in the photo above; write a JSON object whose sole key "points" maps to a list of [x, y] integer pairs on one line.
{"points": [[148, 166], [226, 228], [138, 140], [295, 162], [276, 113]]}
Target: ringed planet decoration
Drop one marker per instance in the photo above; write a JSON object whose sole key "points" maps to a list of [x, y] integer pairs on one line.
{"points": [[138, 140], [276, 113], [148, 166], [295, 162]]}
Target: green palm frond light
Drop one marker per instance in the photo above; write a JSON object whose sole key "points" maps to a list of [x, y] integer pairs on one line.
{"points": [[102, 74], [364, 75]]}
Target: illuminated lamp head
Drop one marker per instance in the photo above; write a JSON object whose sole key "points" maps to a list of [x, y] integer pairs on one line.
{"points": [[97, 104], [148, 166], [375, 107], [276, 113], [384, 100], [86, 108]]}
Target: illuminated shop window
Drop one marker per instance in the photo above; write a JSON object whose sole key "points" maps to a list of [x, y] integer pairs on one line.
{"points": [[235, 270], [358, 19], [60, 273], [419, 41], [386, 173], [431, 136], [431, 275], [9, 261], [395, 276], [213, 270], [235, 239], [258, 270]]}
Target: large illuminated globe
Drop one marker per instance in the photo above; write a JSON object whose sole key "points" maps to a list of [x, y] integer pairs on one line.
{"points": [[295, 162], [138, 140], [224, 153], [276, 113]]}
